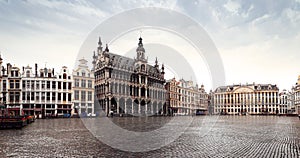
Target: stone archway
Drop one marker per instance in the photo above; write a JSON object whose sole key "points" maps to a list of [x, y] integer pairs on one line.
{"points": [[114, 104], [154, 108], [149, 107], [129, 106], [160, 108], [143, 107], [121, 105], [135, 106]]}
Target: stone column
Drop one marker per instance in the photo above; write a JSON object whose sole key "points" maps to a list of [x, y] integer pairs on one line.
{"points": [[106, 107], [109, 105], [146, 106], [132, 111], [118, 106], [125, 104]]}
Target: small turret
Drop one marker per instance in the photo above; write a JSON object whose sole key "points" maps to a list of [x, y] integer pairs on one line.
{"points": [[156, 63], [106, 48], [162, 69], [100, 45]]}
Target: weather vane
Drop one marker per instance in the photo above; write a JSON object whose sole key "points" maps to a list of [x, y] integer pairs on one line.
{"points": [[141, 33]]}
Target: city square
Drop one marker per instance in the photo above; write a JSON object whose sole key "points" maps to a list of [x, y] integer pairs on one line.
{"points": [[228, 136], [145, 78]]}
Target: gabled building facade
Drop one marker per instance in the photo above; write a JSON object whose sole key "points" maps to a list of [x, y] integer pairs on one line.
{"points": [[46, 94], [83, 89], [296, 91], [183, 98], [126, 86]]}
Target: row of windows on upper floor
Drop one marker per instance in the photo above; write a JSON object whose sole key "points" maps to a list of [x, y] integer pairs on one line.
{"points": [[129, 77], [82, 95], [83, 83], [83, 74], [243, 100], [46, 96], [43, 74], [15, 84], [196, 96], [185, 91]]}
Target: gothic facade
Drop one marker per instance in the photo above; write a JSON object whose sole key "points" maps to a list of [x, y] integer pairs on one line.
{"points": [[126, 86]]}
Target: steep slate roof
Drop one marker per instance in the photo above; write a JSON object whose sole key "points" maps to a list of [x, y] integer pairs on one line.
{"points": [[127, 63]]}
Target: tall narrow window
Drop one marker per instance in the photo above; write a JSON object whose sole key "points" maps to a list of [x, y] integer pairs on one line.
{"points": [[76, 82], [83, 83], [76, 95], [82, 95], [89, 96]]}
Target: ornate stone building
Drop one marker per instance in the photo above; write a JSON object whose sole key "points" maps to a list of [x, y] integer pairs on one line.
{"points": [[296, 91], [246, 99], [46, 94], [128, 86], [283, 102], [183, 98], [83, 89], [11, 89]]}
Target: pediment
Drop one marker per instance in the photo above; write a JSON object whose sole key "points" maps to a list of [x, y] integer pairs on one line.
{"points": [[243, 89]]}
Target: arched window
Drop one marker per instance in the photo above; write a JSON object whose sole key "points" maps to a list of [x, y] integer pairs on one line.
{"points": [[142, 67], [27, 73], [64, 76]]}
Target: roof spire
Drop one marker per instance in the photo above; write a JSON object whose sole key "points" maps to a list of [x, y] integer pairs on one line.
{"points": [[140, 41], [100, 42], [156, 63], [106, 49]]}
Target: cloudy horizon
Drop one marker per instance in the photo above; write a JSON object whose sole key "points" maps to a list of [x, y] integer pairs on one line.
{"points": [[258, 41]]}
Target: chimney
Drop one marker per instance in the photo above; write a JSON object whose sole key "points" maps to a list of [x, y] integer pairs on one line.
{"points": [[8, 68], [3, 70], [36, 67]]}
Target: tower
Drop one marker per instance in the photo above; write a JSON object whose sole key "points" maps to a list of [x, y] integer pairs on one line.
{"points": [[140, 51], [163, 70], [94, 60], [140, 61], [100, 48], [156, 63]]}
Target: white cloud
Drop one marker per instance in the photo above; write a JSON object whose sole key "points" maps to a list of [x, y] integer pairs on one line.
{"points": [[232, 6]]}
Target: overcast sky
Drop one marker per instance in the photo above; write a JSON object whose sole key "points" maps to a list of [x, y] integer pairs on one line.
{"points": [[259, 40]]}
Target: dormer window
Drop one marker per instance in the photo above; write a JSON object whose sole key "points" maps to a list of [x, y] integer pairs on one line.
{"points": [[27, 73], [258, 88], [83, 73], [64, 76], [228, 89], [269, 87], [143, 67]]}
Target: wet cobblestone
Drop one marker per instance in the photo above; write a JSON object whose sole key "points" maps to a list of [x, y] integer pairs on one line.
{"points": [[230, 136]]}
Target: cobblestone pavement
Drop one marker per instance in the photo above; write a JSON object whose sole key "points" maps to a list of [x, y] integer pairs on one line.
{"points": [[228, 136]]}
